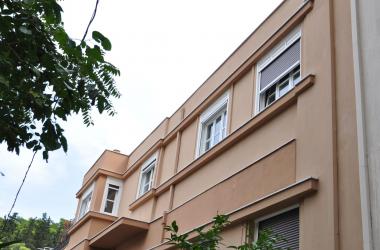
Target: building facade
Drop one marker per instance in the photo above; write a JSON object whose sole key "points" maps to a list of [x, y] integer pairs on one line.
{"points": [[270, 139]]}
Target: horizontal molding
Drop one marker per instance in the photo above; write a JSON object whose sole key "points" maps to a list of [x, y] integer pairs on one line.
{"points": [[239, 134], [143, 158], [136, 225], [142, 199], [249, 127], [91, 215], [292, 22], [94, 176], [275, 201]]}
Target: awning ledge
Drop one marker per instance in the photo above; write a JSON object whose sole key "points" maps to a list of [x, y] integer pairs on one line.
{"points": [[117, 232]]}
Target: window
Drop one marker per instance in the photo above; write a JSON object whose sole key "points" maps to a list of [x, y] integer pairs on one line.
{"points": [[147, 176], [111, 196], [213, 125], [279, 71], [285, 224], [85, 202]]}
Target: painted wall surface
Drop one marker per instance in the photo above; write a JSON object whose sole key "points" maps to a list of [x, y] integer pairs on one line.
{"points": [[109, 160], [79, 235], [148, 142], [162, 204], [188, 145], [233, 236], [169, 160], [266, 176], [97, 194], [347, 158], [242, 101], [255, 146], [129, 193]]}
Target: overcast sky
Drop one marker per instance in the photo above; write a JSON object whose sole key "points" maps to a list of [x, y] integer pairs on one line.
{"points": [[165, 50]]}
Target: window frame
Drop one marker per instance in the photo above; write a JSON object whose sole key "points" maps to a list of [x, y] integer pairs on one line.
{"points": [[272, 55], [270, 215], [147, 165], [116, 202], [219, 107], [88, 192]]}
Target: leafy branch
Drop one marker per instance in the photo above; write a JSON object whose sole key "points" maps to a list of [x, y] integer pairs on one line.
{"points": [[45, 76], [211, 239]]}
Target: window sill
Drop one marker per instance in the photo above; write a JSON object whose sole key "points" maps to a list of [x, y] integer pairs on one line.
{"points": [[91, 215], [294, 20], [275, 201], [253, 124], [249, 127], [142, 199]]}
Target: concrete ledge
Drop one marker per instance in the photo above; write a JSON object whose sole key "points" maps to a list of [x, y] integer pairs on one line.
{"points": [[275, 201], [118, 232]]}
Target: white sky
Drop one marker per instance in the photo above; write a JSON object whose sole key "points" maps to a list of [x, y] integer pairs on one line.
{"points": [[165, 51]]}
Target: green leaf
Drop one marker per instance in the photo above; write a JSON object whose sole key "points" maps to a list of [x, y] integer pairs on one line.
{"points": [[4, 81], [25, 30], [64, 143], [175, 226], [100, 38], [45, 155]]}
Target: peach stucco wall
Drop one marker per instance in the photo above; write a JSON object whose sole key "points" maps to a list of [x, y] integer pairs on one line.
{"points": [[242, 101], [109, 160], [169, 161], [261, 178], [188, 145], [265, 140], [313, 136]]}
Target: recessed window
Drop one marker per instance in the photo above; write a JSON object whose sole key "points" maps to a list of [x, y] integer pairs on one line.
{"points": [[111, 196], [213, 125], [284, 225], [147, 176], [279, 71], [85, 202]]}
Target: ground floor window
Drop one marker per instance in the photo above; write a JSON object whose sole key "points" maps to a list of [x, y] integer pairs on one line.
{"points": [[284, 224]]}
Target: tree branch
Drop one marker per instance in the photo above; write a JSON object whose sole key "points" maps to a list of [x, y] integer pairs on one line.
{"points": [[91, 20]]}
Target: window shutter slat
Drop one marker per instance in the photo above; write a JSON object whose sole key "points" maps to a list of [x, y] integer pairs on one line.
{"points": [[286, 225], [281, 64]]}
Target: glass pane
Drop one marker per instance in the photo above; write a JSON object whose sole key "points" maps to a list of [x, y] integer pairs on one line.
{"points": [[111, 194], [224, 124], [270, 95], [109, 207], [146, 187], [296, 76], [113, 186], [208, 145], [283, 87], [218, 130], [146, 180], [207, 139], [85, 205], [209, 131]]}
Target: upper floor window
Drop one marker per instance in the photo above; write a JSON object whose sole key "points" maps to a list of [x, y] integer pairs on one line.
{"points": [[147, 176], [279, 71], [213, 125], [85, 202], [111, 196]]}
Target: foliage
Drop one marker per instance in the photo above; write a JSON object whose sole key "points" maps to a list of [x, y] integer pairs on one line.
{"points": [[31, 233], [45, 76], [205, 240], [211, 239]]}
